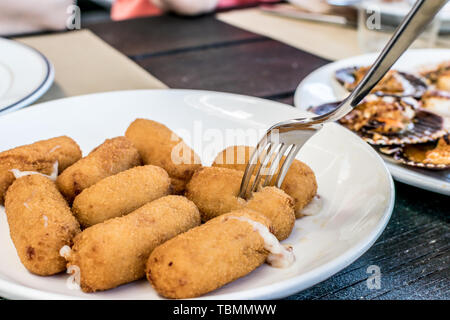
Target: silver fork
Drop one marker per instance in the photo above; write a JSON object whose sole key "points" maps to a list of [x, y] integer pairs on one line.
{"points": [[289, 136]]}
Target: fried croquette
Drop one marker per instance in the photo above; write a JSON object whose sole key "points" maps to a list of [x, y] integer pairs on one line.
{"points": [[40, 223], [160, 146], [114, 252], [276, 205], [111, 157], [39, 156], [120, 194], [209, 256], [215, 192], [234, 157], [300, 182]]}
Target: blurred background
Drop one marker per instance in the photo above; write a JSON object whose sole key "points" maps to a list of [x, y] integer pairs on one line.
{"points": [[375, 20]]}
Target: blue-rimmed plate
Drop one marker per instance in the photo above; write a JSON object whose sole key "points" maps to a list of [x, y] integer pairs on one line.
{"points": [[25, 75]]}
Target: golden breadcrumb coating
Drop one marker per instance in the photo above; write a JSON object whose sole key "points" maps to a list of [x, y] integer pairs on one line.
{"points": [[120, 194], [40, 223], [207, 257], [276, 205], [39, 156], [234, 157], [160, 146], [111, 157], [300, 182], [215, 192], [114, 252]]}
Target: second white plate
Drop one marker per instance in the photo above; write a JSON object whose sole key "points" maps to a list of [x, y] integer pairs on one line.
{"points": [[25, 75], [320, 87]]}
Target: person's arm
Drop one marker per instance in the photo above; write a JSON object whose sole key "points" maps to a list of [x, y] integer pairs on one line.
{"points": [[126, 9], [187, 7]]}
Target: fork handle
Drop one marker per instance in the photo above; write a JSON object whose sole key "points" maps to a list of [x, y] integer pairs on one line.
{"points": [[412, 25]]}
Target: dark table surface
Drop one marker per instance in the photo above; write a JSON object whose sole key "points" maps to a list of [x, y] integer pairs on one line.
{"points": [[203, 53]]}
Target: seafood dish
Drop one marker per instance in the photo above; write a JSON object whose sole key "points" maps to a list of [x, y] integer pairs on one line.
{"points": [[438, 76], [394, 83], [406, 117], [432, 155], [142, 206]]}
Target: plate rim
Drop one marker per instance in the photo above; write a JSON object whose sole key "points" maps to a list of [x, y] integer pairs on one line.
{"points": [[40, 89], [394, 169], [271, 291]]}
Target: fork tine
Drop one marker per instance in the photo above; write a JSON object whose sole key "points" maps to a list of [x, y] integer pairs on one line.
{"points": [[253, 161], [274, 165], [263, 165], [286, 165]]}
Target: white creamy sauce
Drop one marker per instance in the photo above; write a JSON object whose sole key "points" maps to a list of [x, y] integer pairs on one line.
{"points": [[73, 282], [313, 207], [65, 252], [45, 221], [19, 174], [283, 259], [280, 256]]}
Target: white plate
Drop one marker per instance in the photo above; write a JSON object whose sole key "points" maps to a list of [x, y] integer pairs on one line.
{"points": [[320, 87], [356, 187], [25, 75]]}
